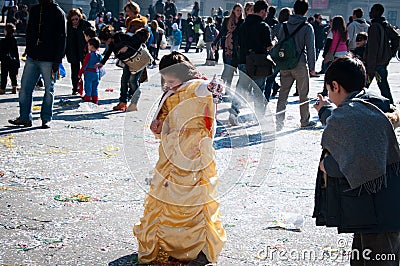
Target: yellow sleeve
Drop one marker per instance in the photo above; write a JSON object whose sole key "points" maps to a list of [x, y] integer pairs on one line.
{"points": [[164, 111]]}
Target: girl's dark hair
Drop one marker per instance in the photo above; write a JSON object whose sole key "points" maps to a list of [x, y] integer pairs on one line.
{"points": [[339, 25], [90, 31], [106, 32], [179, 65], [348, 72], [10, 28], [284, 14], [95, 42]]}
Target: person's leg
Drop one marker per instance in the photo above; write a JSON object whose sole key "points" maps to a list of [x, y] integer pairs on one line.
{"points": [[126, 74], [260, 102], [135, 87], [227, 72], [46, 113], [376, 249], [4, 76], [208, 50], [302, 78], [269, 84], [13, 76], [286, 84], [383, 84], [88, 87], [29, 78], [3, 11], [95, 85], [74, 77], [243, 84], [240, 93]]}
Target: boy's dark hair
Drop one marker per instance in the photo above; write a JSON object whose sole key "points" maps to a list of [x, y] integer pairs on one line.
{"points": [[358, 12], [362, 36], [348, 72], [271, 11], [378, 10], [260, 5], [95, 42], [316, 15], [10, 28], [142, 35], [300, 7], [90, 31], [178, 65]]}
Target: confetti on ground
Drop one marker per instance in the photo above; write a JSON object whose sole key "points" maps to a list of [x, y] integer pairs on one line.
{"points": [[75, 198], [8, 141]]}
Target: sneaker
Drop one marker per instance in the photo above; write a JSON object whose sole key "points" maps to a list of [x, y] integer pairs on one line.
{"points": [[201, 260], [296, 94], [19, 122], [132, 107], [120, 107], [233, 120], [310, 125]]}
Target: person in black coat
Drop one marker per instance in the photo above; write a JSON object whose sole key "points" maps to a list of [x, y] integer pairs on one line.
{"points": [[9, 58], [76, 43]]}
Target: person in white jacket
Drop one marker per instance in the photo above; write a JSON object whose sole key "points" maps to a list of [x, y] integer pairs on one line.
{"points": [[358, 25]]}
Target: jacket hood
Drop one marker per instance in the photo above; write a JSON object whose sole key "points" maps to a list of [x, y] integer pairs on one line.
{"points": [[296, 19], [361, 25]]}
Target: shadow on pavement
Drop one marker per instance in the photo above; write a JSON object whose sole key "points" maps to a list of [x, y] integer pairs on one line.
{"points": [[128, 260]]}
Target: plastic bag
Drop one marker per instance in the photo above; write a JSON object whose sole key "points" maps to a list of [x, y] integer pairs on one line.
{"points": [[201, 44], [163, 43], [102, 72]]}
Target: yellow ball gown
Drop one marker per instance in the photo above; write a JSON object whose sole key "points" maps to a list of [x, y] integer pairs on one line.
{"points": [[181, 216]]}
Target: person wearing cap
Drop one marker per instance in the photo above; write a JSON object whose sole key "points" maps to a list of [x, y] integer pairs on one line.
{"points": [[175, 38]]}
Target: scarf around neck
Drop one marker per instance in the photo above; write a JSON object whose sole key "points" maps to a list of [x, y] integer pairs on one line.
{"points": [[362, 141]]}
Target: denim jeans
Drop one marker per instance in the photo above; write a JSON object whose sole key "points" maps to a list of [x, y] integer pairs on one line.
{"points": [[229, 70], [30, 76], [383, 83], [269, 84], [130, 82], [244, 86]]}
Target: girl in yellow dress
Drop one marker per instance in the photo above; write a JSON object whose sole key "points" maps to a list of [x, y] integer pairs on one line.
{"points": [[181, 220]]}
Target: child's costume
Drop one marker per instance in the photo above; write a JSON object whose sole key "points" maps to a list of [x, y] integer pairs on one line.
{"points": [[181, 216], [92, 76]]}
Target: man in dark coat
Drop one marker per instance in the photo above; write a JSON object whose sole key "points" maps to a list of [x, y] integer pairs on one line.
{"points": [[45, 48]]}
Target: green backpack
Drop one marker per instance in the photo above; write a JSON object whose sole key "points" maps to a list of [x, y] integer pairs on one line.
{"points": [[284, 53]]}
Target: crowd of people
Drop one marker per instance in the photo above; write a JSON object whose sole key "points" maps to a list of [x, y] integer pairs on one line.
{"points": [[358, 179]]}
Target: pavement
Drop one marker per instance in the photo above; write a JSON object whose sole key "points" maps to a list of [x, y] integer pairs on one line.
{"points": [[71, 194]]}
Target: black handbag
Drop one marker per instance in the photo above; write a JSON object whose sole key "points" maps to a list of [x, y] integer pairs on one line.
{"points": [[259, 65]]}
